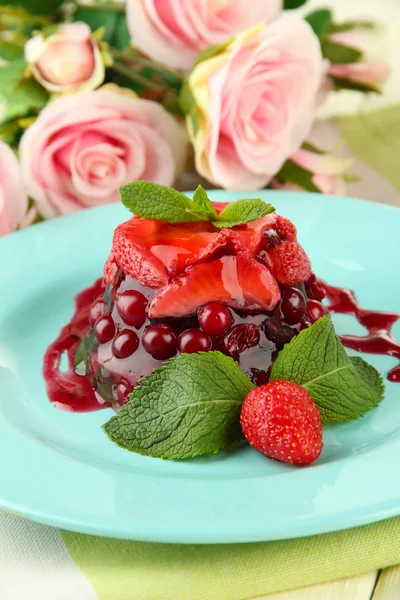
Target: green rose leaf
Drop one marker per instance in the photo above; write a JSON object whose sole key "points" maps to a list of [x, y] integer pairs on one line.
{"points": [[298, 175], [292, 4], [339, 54], [341, 83], [320, 21], [188, 106]]}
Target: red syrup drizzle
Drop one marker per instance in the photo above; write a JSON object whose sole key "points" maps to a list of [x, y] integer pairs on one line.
{"points": [[379, 339], [67, 390]]}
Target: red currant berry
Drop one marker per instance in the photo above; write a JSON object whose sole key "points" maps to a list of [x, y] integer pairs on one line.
{"points": [[131, 307], [96, 310], [315, 310], [314, 289], [104, 328], [159, 341], [293, 305], [125, 343], [193, 340], [215, 318]]}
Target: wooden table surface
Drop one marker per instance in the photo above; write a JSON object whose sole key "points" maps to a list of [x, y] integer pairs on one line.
{"points": [[377, 585]]}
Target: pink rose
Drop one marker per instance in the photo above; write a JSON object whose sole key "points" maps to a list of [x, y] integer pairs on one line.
{"points": [[13, 199], [370, 70], [84, 146], [251, 105], [175, 31], [70, 60], [327, 172]]}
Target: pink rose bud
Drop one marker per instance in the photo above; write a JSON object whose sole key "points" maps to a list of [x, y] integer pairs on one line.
{"points": [[68, 61], [371, 70], [175, 31], [327, 172], [13, 199], [83, 146]]}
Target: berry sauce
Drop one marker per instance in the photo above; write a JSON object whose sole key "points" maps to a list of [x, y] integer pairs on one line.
{"points": [[379, 339], [66, 389]]}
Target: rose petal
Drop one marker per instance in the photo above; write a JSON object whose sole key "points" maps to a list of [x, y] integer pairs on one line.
{"points": [[13, 199]]}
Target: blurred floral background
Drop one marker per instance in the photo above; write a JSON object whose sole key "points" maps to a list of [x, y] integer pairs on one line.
{"points": [[230, 93]]}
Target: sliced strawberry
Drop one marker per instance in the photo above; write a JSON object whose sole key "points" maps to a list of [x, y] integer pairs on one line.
{"points": [[178, 246], [289, 263], [249, 238], [152, 251], [131, 254], [238, 281]]}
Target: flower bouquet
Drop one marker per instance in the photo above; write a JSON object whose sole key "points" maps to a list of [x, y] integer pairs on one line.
{"points": [[94, 95]]}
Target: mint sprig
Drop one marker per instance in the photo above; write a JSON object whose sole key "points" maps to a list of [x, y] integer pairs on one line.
{"points": [[188, 407], [159, 202], [343, 388]]}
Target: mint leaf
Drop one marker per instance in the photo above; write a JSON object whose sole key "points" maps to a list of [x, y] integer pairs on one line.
{"points": [[341, 387], [371, 377], [153, 201], [188, 407], [243, 211], [203, 204]]}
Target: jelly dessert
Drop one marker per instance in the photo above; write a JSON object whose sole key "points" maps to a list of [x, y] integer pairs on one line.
{"points": [[172, 288], [208, 328], [239, 284]]}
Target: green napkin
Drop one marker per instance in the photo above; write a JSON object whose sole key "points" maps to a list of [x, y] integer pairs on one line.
{"points": [[120, 570], [374, 137]]}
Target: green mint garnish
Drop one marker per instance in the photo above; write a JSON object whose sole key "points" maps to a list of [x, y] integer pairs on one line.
{"points": [[203, 204], [242, 212], [153, 201], [343, 388], [188, 407]]}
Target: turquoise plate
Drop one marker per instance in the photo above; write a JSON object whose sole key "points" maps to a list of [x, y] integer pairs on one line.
{"points": [[60, 469]]}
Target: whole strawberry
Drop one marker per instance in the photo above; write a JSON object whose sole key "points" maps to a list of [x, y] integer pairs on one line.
{"points": [[281, 420]]}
